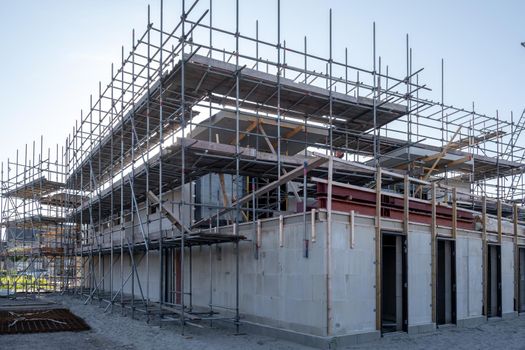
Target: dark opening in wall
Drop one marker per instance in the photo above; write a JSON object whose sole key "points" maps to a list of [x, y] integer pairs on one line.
{"points": [[394, 286], [494, 281], [446, 282]]}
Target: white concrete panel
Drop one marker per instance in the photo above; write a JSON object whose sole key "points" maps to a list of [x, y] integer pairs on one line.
{"points": [[280, 288], [353, 291], [462, 277], [507, 277], [419, 278], [475, 276], [469, 276]]}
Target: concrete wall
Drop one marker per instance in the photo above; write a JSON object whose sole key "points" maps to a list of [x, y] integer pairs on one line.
{"points": [[134, 231], [419, 276], [469, 275], [353, 287], [281, 288], [148, 276], [507, 276]]}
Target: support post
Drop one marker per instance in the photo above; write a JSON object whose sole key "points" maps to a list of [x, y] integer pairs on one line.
{"points": [[454, 213], [500, 230], [516, 259], [406, 206], [312, 218], [329, 249], [378, 240], [433, 230], [485, 253]]}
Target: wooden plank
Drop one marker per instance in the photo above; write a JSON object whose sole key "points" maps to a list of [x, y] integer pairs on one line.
{"points": [[476, 140], [258, 240], [168, 213], [179, 312], [225, 198], [270, 145], [439, 155], [249, 129], [459, 161], [437, 158], [290, 134]]}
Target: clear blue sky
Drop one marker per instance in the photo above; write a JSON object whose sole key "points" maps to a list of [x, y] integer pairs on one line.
{"points": [[54, 52]]}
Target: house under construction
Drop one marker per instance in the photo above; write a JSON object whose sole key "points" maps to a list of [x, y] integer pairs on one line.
{"points": [[265, 186]]}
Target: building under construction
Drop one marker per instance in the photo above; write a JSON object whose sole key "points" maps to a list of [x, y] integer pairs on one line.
{"points": [[271, 188]]}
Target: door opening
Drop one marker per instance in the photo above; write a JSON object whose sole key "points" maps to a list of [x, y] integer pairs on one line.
{"points": [[494, 281], [446, 282], [394, 286]]}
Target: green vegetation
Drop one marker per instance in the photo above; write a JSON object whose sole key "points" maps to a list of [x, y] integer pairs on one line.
{"points": [[23, 282]]}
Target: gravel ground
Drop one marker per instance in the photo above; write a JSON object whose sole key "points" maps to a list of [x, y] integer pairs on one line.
{"points": [[495, 334], [113, 331]]}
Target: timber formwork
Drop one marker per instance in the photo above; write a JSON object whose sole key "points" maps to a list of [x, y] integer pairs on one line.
{"points": [[275, 126]]}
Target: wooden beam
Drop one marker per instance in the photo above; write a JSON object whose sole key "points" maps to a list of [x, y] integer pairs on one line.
{"points": [[437, 158], [454, 213], [270, 145], [459, 161], [312, 222], [290, 134], [406, 206], [225, 199], [168, 213], [516, 257], [433, 246], [258, 240], [476, 140], [249, 129], [500, 230], [440, 155], [310, 164], [485, 254]]}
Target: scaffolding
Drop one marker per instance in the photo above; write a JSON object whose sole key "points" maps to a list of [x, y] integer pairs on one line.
{"points": [[190, 139], [35, 231]]}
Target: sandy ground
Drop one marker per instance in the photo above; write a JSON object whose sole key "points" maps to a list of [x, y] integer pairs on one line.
{"points": [[113, 331]]}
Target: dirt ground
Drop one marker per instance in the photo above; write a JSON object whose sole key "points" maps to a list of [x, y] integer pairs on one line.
{"points": [[113, 331]]}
